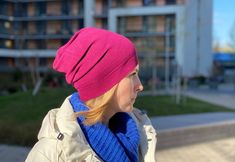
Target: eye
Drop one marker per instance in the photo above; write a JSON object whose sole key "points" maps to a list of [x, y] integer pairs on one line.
{"points": [[133, 74]]}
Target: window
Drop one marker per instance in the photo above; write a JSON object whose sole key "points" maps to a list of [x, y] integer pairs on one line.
{"points": [[66, 27], [41, 27], [149, 45], [170, 19], [148, 2], [8, 44], [180, 1], [3, 61], [32, 29], [6, 8], [169, 2], [54, 27], [5, 26], [160, 44], [152, 23], [160, 23], [160, 2], [53, 8], [41, 8], [172, 43], [41, 44], [11, 62], [133, 3], [134, 24], [31, 44], [101, 23], [99, 7], [43, 62], [76, 25], [75, 7], [53, 44], [65, 7], [31, 9]]}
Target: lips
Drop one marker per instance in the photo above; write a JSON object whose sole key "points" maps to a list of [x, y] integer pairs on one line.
{"points": [[133, 99]]}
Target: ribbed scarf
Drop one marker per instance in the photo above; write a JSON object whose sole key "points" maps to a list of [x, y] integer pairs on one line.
{"points": [[119, 144]]}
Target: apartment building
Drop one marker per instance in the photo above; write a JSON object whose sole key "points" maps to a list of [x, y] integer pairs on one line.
{"points": [[172, 37], [31, 31]]}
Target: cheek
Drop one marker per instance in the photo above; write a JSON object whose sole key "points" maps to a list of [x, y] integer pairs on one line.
{"points": [[128, 89], [128, 95], [125, 93]]}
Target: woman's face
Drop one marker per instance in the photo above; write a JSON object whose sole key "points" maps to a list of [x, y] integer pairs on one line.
{"points": [[127, 90]]}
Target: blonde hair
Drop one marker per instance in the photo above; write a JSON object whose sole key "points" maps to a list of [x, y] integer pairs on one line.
{"points": [[97, 107]]}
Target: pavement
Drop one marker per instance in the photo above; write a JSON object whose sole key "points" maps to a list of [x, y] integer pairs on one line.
{"points": [[222, 98], [218, 150], [222, 150], [191, 120], [196, 138], [13, 153]]}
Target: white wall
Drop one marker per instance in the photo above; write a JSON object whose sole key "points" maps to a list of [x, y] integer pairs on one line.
{"points": [[198, 38], [190, 44], [89, 11], [205, 51]]}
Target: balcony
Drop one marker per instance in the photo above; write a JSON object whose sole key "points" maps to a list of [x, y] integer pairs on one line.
{"points": [[148, 34], [41, 36], [27, 53], [27, 1], [140, 25], [101, 23], [4, 17], [101, 9], [140, 3], [41, 18], [45, 17]]}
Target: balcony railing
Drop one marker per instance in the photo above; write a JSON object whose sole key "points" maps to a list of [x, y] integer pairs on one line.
{"points": [[41, 18], [148, 34], [36, 36], [27, 53], [128, 3]]}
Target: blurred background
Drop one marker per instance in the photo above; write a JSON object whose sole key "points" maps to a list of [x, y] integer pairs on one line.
{"points": [[186, 50]]}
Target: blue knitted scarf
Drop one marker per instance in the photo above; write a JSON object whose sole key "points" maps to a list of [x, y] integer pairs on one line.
{"points": [[118, 143]]}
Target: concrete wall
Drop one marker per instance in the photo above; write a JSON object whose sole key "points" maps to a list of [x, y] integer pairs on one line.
{"points": [[89, 11], [205, 34], [198, 38]]}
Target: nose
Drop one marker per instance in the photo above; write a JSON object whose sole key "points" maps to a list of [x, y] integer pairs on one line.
{"points": [[139, 86]]}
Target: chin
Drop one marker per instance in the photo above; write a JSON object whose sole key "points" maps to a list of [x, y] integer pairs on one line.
{"points": [[129, 108]]}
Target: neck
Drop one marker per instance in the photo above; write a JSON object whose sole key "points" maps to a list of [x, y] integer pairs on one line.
{"points": [[110, 111], [107, 117]]}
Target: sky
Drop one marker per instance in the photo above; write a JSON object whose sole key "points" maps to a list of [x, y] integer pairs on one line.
{"points": [[223, 19]]}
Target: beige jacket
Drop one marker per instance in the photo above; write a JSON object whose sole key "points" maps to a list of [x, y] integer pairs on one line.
{"points": [[62, 140]]}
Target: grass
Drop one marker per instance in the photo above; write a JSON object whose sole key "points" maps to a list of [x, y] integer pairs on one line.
{"points": [[21, 113]]}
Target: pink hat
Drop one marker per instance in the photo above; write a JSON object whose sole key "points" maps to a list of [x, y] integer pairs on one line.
{"points": [[94, 60]]}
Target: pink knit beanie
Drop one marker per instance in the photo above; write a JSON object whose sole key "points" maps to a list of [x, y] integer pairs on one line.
{"points": [[94, 60]]}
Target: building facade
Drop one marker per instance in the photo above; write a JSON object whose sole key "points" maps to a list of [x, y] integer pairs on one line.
{"points": [[172, 37]]}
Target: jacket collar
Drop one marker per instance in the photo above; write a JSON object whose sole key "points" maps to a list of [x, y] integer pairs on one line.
{"points": [[62, 122]]}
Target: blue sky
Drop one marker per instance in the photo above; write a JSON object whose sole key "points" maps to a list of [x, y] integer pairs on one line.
{"points": [[223, 19]]}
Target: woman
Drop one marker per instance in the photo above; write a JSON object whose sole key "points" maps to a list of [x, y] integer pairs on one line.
{"points": [[98, 122]]}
